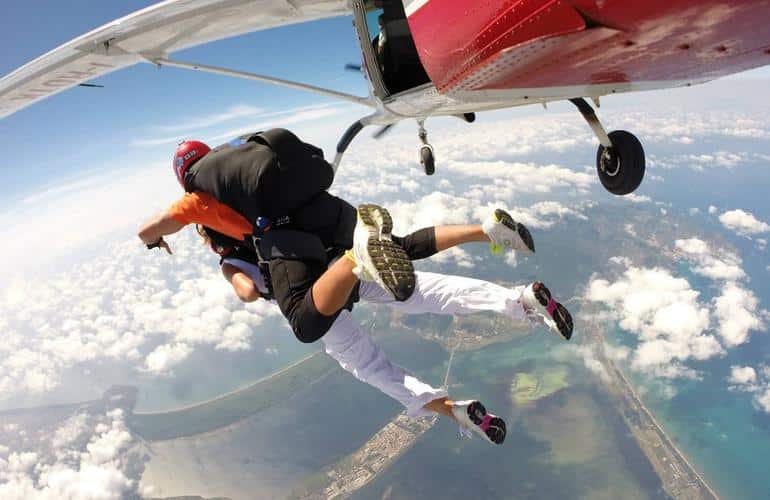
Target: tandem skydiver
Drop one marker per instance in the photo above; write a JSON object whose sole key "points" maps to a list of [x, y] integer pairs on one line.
{"points": [[315, 290]]}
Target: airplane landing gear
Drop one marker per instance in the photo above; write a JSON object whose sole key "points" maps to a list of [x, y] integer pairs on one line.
{"points": [[620, 159], [427, 160], [621, 166]]}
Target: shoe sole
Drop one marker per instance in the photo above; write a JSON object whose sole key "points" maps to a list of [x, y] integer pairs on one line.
{"points": [[560, 316], [496, 429], [395, 271], [520, 229]]}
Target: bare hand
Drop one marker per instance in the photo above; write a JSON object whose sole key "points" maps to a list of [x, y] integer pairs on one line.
{"points": [[164, 245]]}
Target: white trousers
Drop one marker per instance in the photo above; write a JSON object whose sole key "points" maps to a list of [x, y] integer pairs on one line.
{"points": [[356, 352]]}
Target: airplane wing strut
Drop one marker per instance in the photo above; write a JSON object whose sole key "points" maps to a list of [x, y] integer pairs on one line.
{"points": [[162, 61]]}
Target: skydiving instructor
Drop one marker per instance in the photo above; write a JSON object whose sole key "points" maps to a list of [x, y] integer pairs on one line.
{"points": [[268, 192], [322, 253]]}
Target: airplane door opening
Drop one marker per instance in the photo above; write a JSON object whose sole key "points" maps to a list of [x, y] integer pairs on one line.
{"points": [[393, 46]]}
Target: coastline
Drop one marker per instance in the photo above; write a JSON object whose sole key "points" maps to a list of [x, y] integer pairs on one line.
{"points": [[679, 477], [231, 393]]}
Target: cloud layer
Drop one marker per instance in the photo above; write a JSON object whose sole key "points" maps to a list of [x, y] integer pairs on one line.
{"points": [[130, 307], [674, 325], [89, 456], [743, 222]]}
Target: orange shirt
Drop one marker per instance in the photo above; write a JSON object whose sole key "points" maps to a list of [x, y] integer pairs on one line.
{"points": [[202, 208]]}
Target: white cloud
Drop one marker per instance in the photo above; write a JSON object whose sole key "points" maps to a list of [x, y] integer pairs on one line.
{"points": [[725, 267], [621, 260], [693, 246], [637, 198], [201, 126], [746, 379], [665, 314], [743, 222], [742, 376], [164, 357], [287, 118], [590, 361], [723, 159], [672, 325], [191, 123], [129, 307], [54, 225], [736, 311], [91, 456], [712, 209]]}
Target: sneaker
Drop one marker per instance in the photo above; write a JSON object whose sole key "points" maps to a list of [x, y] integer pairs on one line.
{"points": [[377, 258], [506, 233], [472, 415], [537, 300]]}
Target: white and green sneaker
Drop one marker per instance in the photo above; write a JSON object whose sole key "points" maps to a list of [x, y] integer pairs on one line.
{"points": [[377, 257], [506, 233]]}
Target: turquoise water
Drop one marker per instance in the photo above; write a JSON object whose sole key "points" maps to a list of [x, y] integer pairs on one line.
{"points": [[554, 449], [720, 431]]}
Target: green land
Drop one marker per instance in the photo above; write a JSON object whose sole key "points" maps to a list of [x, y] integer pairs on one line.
{"points": [[235, 406], [529, 387]]}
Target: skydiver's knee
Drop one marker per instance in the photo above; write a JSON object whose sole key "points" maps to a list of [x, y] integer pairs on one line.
{"points": [[308, 330], [307, 323]]}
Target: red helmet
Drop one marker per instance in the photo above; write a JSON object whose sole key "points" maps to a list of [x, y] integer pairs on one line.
{"points": [[187, 153]]}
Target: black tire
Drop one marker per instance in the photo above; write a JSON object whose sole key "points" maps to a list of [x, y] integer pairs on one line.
{"points": [[621, 171], [427, 160]]}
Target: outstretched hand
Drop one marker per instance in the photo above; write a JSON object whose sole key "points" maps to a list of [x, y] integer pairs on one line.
{"points": [[164, 245]]}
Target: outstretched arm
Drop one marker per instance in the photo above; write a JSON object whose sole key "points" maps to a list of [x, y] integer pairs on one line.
{"points": [[153, 230]]}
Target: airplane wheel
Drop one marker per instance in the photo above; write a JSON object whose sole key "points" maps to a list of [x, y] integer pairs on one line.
{"points": [[621, 167], [427, 160]]}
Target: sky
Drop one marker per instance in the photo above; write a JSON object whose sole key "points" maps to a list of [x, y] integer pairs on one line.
{"points": [[99, 129], [83, 303]]}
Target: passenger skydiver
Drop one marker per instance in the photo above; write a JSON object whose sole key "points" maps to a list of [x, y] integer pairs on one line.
{"points": [[356, 352]]}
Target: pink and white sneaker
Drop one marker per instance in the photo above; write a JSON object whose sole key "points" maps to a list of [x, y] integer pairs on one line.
{"points": [[537, 300], [472, 415]]}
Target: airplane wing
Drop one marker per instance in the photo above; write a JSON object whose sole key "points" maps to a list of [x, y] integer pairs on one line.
{"points": [[150, 34]]}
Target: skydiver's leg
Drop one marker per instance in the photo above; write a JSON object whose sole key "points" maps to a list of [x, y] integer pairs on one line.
{"points": [[332, 290], [499, 228], [357, 353], [448, 294], [428, 241]]}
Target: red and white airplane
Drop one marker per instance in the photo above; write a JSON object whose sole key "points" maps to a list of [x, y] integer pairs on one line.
{"points": [[428, 58]]}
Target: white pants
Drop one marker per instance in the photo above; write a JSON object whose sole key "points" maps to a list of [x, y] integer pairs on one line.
{"points": [[357, 353]]}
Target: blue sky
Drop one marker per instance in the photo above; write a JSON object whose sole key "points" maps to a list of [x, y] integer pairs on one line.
{"points": [[84, 129]]}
